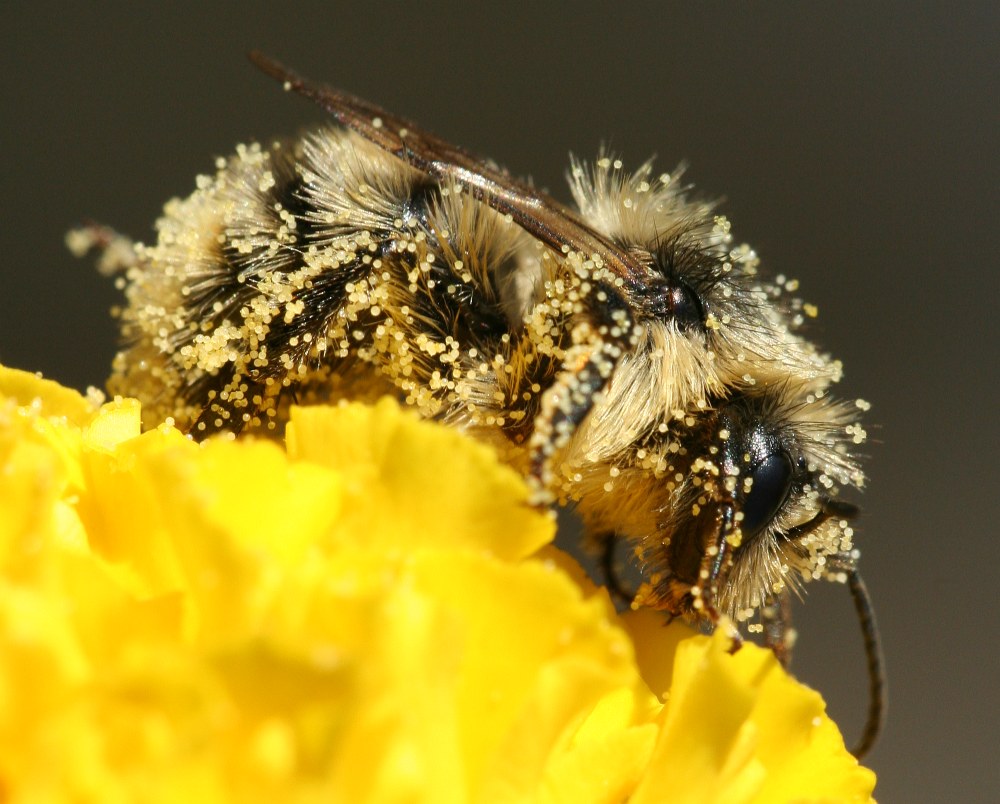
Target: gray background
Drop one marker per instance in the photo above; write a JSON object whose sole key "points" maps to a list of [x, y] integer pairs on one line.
{"points": [[856, 148]]}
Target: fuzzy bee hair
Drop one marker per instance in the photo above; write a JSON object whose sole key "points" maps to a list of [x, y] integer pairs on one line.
{"points": [[625, 354]]}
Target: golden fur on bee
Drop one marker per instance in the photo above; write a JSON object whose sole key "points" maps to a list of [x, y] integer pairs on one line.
{"points": [[322, 268], [625, 354]]}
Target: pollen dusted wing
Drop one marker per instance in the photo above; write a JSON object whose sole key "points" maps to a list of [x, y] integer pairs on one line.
{"points": [[553, 223]]}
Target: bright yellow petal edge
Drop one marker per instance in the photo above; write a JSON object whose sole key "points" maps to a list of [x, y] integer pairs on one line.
{"points": [[372, 615]]}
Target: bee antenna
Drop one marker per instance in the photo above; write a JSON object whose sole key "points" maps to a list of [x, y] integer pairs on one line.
{"points": [[877, 699], [726, 519]]}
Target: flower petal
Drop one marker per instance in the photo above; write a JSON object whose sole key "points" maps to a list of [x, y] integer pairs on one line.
{"points": [[735, 726], [428, 476], [46, 397], [228, 621]]}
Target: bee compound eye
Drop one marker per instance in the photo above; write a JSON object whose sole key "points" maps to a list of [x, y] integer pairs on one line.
{"points": [[772, 480], [686, 307]]}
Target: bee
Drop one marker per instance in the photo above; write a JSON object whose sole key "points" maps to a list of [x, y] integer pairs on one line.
{"points": [[625, 354]]}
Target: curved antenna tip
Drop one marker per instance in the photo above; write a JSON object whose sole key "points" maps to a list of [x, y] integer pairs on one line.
{"points": [[877, 697]]}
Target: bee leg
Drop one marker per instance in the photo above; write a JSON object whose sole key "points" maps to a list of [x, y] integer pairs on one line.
{"points": [[117, 251], [709, 612], [716, 562], [569, 401], [611, 572], [779, 636], [608, 332]]}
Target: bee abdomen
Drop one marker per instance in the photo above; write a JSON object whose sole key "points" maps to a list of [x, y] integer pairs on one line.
{"points": [[294, 263]]}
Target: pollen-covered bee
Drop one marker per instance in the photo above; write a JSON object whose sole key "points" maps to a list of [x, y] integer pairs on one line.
{"points": [[625, 355]]}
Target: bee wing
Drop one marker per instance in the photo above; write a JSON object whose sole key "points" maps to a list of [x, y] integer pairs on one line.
{"points": [[539, 214]]}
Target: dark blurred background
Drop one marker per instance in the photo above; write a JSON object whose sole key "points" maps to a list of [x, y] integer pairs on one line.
{"points": [[855, 145]]}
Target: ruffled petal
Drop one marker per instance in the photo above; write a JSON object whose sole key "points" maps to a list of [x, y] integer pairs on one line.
{"points": [[231, 621]]}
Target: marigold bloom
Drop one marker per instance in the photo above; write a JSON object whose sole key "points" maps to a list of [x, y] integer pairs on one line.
{"points": [[372, 614]]}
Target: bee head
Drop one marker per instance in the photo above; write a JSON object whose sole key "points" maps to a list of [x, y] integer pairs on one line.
{"points": [[749, 504]]}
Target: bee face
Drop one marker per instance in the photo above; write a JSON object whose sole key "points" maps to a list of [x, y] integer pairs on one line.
{"points": [[743, 482], [627, 354]]}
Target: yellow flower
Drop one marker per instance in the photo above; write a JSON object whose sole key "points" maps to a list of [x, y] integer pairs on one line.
{"points": [[370, 615]]}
